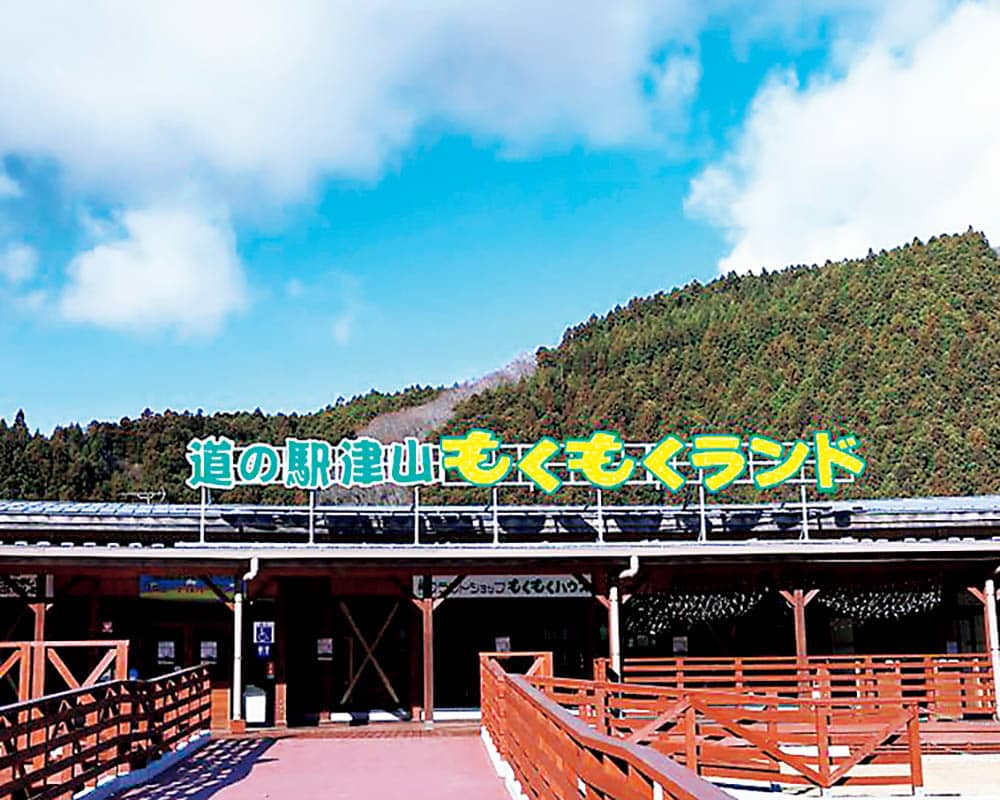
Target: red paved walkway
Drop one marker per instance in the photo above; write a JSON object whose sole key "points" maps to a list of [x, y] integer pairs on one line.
{"points": [[417, 768]]}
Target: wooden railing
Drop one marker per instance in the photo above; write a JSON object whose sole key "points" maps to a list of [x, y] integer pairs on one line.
{"points": [[944, 686], [56, 746], [553, 754], [759, 738], [26, 664]]}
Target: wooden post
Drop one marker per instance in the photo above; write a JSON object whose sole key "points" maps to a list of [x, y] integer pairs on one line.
{"points": [[38, 609], [280, 680], [427, 618], [798, 599], [981, 595]]}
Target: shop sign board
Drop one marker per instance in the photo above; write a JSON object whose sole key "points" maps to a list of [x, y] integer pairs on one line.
{"points": [[507, 586], [153, 587]]}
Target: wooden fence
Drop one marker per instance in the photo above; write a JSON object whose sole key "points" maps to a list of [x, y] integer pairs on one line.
{"points": [[27, 666], [755, 738], [55, 746], [944, 686], [554, 754]]}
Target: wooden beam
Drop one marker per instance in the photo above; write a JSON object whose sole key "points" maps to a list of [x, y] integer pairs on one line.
{"points": [[225, 599], [451, 587]]}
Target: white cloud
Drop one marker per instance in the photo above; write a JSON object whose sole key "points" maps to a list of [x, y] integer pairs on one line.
{"points": [[168, 270], [904, 142], [8, 186], [276, 95], [18, 263]]}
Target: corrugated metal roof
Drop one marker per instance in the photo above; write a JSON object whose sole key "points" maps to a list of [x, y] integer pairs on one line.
{"points": [[50, 508]]}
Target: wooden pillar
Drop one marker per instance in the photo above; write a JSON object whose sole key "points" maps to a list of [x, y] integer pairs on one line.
{"points": [[281, 639], [38, 609], [981, 596], [427, 618], [798, 599], [416, 660]]}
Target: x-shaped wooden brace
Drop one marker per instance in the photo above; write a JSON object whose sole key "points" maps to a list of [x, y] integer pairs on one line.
{"points": [[369, 653]]}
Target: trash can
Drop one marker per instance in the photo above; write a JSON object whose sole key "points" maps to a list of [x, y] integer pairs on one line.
{"points": [[255, 705]]}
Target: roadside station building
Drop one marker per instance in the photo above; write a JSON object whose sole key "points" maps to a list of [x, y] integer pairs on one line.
{"points": [[379, 612]]}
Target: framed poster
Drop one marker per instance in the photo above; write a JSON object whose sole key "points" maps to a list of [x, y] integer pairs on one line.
{"points": [[166, 651], [208, 652]]}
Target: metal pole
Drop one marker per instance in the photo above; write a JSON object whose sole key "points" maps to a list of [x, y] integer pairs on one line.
{"points": [[805, 511], [991, 624], [201, 520], [600, 516], [241, 589], [703, 531], [416, 515], [614, 629], [237, 697], [312, 516], [495, 497]]}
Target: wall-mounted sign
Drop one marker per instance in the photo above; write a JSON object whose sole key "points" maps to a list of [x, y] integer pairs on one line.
{"points": [[324, 648], [208, 652], [263, 632], [512, 586], [166, 652], [263, 638], [152, 587], [501, 644], [19, 586], [602, 460]]}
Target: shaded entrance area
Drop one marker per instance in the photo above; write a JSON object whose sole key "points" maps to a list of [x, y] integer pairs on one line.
{"points": [[423, 767], [464, 628], [347, 656]]}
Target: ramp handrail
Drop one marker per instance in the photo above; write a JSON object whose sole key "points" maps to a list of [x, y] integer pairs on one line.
{"points": [[780, 740], [554, 754], [56, 746]]}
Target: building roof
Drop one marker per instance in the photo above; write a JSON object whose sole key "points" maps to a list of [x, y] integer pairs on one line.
{"points": [[900, 527]]}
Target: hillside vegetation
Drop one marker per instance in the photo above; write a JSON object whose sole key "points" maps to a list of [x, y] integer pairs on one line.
{"points": [[113, 461], [901, 347]]}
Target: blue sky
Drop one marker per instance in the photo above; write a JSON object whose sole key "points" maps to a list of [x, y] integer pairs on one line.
{"points": [[305, 204]]}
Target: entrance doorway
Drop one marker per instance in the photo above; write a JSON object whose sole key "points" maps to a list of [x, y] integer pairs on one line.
{"points": [[348, 657]]}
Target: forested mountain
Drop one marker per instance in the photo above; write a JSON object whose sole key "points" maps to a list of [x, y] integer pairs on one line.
{"points": [[112, 461], [901, 348]]}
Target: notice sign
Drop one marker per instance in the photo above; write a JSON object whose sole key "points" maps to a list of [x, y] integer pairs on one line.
{"points": [[324, 648], [263, 633], [209, 652], [18, 585], [510, 586], [165, 652]]}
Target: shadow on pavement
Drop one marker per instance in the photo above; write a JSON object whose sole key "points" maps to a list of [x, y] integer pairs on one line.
{"points": [[218, 764]]}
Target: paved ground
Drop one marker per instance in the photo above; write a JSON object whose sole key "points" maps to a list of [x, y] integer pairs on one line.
{"points": [[416, 768]]}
